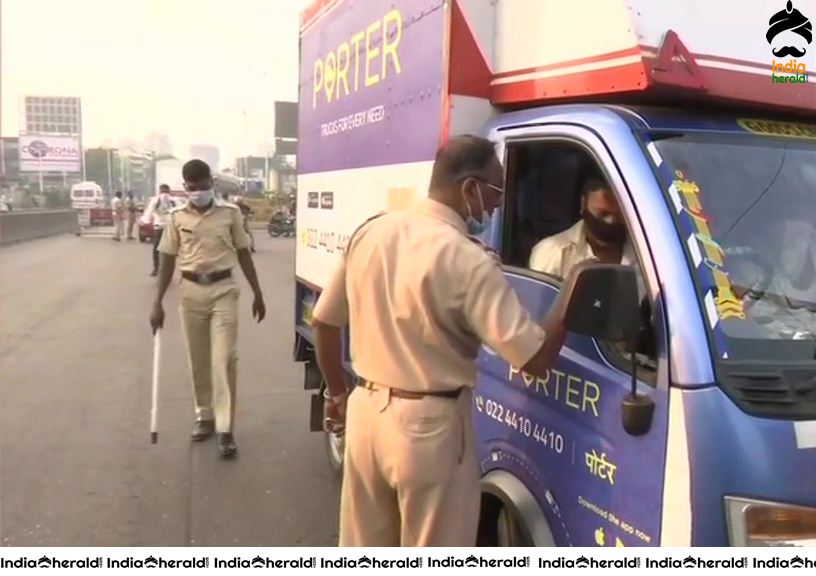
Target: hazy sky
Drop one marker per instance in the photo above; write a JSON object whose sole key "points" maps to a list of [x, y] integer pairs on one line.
{"points": [[185, 68]]}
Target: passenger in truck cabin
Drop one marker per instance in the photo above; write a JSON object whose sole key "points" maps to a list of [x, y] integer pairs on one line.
{"points": [[599, 235]]}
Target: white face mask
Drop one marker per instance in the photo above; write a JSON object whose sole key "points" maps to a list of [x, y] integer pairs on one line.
{"points": [[201, 198]]}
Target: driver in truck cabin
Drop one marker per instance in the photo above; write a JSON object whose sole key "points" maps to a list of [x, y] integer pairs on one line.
{"points": [[420, 295], [599, 235]]}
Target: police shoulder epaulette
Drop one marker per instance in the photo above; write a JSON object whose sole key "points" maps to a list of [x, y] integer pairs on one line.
{"points": [[225, 204], [360, 227], [367, 220], [490, 251]]}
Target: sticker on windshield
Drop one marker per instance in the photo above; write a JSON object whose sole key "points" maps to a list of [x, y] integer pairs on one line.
{"points": [[779, 129], [708, 252]]}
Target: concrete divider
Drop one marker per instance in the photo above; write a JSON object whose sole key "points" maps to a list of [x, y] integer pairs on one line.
{"points": [[28, 225]]}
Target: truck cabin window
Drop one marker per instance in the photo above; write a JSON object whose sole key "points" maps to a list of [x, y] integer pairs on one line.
{"points": [[561, 210]]}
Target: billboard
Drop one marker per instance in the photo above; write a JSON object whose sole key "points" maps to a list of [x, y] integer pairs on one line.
{"points": [[50, 153]]}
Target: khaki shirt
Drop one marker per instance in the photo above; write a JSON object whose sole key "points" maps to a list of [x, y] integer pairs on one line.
{"points": [[420, 297], [205, 242], [558, 254]]}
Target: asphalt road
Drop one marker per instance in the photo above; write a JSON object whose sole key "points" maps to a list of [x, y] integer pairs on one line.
{"points": [[76, 465]]}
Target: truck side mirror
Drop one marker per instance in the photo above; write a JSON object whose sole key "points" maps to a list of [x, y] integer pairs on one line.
{"points": [[604, 303]]}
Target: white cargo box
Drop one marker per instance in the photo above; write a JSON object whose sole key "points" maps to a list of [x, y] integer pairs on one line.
{"points": [[384, 82], [723, 49]]}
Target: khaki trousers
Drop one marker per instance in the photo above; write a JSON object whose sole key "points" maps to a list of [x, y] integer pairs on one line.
{"points": [[118, 226], [411, 475], [209, 319]]}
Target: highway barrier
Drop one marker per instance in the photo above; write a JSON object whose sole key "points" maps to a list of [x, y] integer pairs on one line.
{"points": [[17, 226]]}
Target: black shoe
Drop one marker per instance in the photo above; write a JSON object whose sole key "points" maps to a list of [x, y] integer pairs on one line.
{"points": [[154, 273], [226, 444], [202, 430]]}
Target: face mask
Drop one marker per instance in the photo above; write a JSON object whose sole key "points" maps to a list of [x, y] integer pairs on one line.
{"points": [[201, 198], [474, 226], [606, 232]]}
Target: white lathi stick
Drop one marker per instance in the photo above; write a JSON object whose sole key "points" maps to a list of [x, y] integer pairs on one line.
{"points": [[154, 407]]}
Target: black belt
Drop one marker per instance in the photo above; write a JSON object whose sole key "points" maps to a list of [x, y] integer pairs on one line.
{"points": [[410, 395], [206, 278]]}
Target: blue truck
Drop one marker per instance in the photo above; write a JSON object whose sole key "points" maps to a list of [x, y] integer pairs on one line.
{"points": [[706, 434]]}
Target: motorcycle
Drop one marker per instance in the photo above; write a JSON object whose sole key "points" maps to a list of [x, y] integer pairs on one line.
{"points": [[281, 228]]}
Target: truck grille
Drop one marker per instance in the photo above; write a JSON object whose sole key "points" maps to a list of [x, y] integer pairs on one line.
{"points": [[788, 393]]}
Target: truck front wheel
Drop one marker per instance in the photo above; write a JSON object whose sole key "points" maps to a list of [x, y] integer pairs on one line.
{"points": [[335, 443], [500, 525], [335, 448]]}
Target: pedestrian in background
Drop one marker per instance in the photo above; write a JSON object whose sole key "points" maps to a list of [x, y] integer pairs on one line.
{"points": [[157, 213], [207, 238], [420, 294], [130, 210], [246, 211], [118, 211]]}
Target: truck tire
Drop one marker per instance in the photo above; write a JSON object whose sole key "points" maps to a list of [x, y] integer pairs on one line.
{"points": [[510, 515], [335, 446], [500, 525]]}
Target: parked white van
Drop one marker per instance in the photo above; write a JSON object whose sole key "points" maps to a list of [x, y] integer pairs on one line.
{"points": [[87, 195]]}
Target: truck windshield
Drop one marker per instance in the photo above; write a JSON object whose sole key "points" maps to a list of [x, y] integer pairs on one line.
{"points": [[745, 207]]}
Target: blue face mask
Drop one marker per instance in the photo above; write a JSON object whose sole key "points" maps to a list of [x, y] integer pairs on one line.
{"points": [[474, 226]]}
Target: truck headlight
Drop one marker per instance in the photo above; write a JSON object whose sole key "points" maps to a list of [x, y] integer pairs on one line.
{"points": [[760, 523]]}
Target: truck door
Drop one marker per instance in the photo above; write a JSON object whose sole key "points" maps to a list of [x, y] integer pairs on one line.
{"points": [[562, 435]]}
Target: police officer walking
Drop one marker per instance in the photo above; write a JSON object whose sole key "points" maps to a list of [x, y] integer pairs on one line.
{"points": [[420, 294], [118, 211], [207, 237]]}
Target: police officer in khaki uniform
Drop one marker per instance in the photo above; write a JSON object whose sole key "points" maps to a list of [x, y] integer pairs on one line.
{"points": [[420, 295], [207, 236]]}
